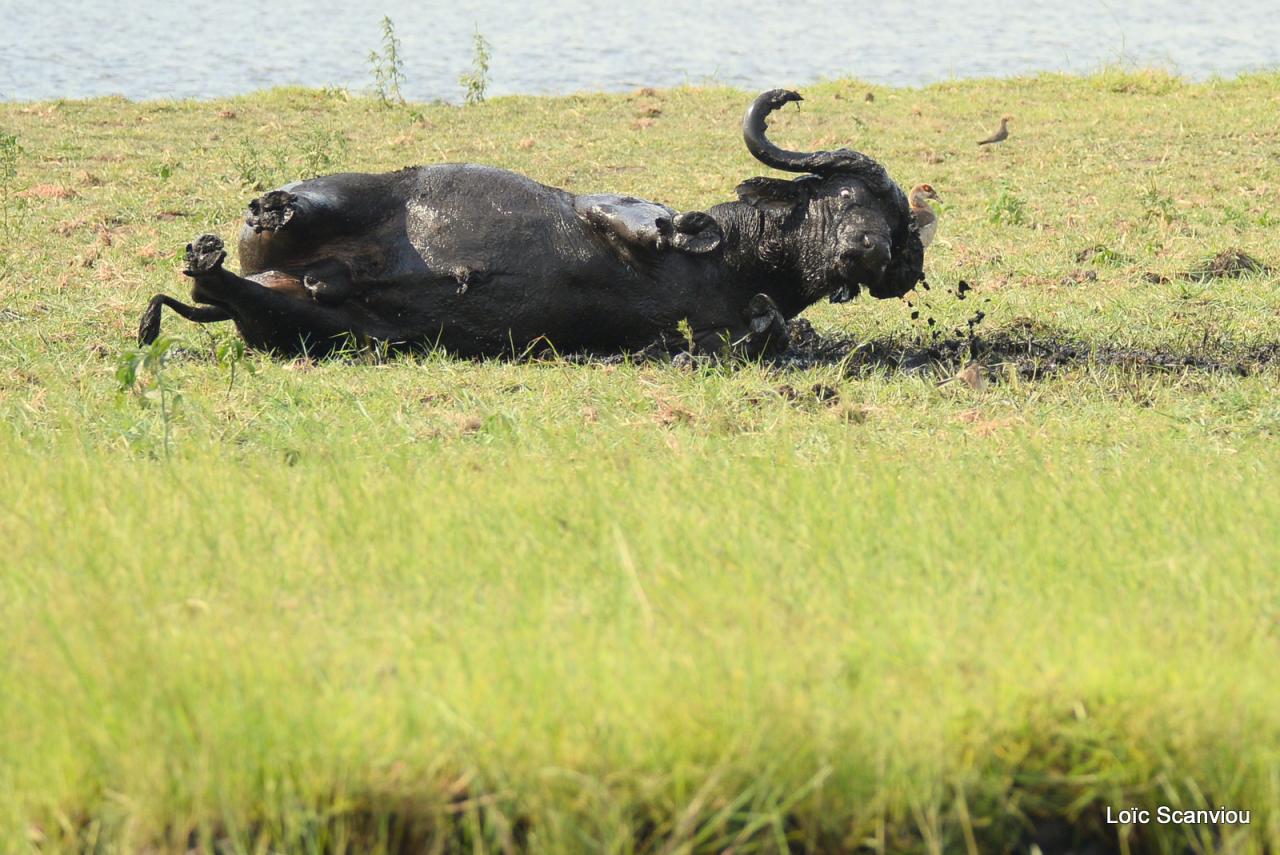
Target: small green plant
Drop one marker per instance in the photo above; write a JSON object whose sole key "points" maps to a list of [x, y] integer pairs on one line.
{"points": [[231, 353], [686, 332], [1237, 218], [1102, 254], [249, 167], [322, 151], [1007, 208], [141, 370], [476, 81], [10, 153], [164, 169], [1107, 255], [1158, 206], [258, 168], [388, 67]]}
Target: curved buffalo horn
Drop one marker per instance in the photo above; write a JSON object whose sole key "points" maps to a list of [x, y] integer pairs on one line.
{"points": [[819, 162]]}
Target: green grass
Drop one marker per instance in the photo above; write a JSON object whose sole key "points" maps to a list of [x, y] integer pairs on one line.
{"points": [[368, 604]]}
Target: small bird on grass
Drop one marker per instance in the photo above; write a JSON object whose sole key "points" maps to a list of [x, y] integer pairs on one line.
{"points": [[926, 219], [1000, 135], [971, 375]]}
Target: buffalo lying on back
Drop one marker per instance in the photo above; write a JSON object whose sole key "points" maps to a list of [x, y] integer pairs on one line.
{"points": [[482, 261]]}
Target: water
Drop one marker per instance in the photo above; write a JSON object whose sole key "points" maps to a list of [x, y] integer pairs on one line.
{"points": [[157, 49]]}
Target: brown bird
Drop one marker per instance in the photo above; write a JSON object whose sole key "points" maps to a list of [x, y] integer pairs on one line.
{"points": [[926, 219], [1000, 135], [971, 375]]}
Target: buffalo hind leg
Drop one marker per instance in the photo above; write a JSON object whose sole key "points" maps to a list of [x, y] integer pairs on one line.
{"points": [[271, 211], [290, 321], [149, 328]]}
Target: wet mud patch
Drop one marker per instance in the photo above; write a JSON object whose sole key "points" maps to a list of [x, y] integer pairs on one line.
{"points": [[1032, 351], [970, 352]]}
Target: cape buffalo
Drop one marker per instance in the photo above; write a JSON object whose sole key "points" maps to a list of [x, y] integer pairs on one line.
{"points": [[482, 261]]}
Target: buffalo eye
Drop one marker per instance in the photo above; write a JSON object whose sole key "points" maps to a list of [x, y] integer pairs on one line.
{"points": [[851, 196]]}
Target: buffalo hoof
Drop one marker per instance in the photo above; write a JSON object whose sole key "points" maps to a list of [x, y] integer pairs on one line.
{"points": [[149, 327], [766, 327], [204, 255], [271, 211]]}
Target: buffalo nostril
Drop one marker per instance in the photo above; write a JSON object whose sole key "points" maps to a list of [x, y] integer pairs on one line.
{"points": [[868, 251]]}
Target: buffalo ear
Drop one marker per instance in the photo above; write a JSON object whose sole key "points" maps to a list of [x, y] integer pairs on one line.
{"points": [[772, 194]]}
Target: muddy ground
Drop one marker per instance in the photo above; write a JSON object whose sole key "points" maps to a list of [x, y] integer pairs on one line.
{"points": [[1033, 351]]}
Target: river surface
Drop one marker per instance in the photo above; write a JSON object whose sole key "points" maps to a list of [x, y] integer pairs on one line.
{"points": [[162, 49]]}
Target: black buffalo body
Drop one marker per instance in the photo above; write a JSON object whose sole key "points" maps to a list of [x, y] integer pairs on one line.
{"points": [[482, 261]]}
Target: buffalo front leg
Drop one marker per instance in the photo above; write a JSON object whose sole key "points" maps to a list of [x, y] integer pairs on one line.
{"points": [[204, 256], [289, 321], [149, 327], [766, 328], [204, 260], [763, 331]]}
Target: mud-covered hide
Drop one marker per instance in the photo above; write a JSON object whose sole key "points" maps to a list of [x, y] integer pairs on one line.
{"points": [[486, 262]]}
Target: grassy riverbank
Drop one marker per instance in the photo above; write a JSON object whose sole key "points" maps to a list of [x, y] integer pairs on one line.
{"points": [[277, 606]]}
